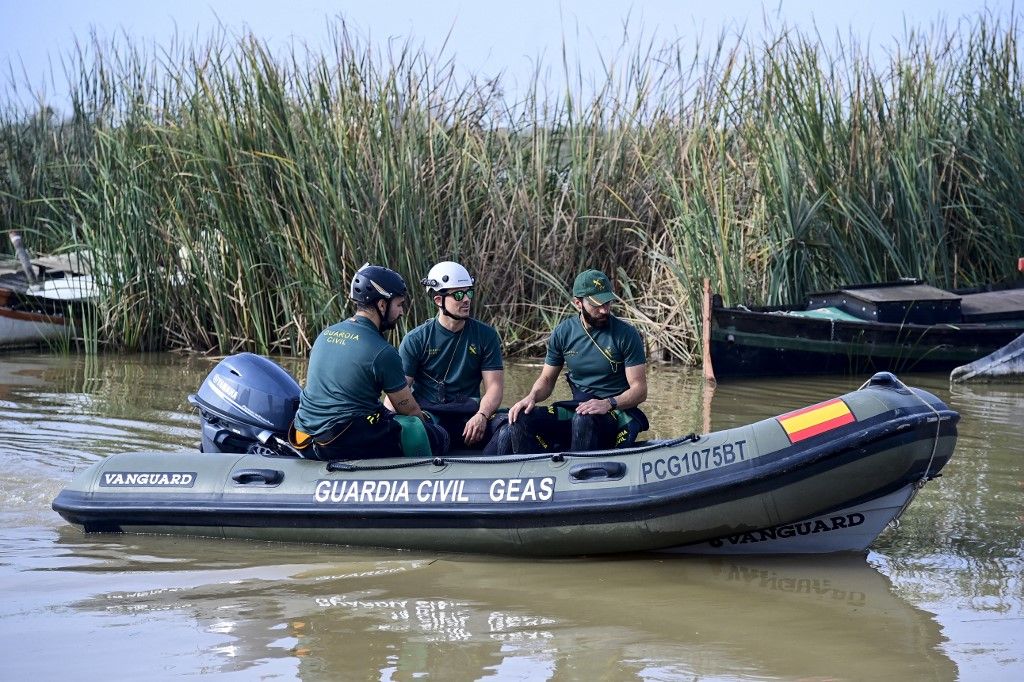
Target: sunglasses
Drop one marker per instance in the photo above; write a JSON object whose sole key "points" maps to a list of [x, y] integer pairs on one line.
{"points": [[459, 295]]}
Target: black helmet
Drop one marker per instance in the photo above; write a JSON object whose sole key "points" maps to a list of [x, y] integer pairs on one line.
{"points": [[374, 283]]}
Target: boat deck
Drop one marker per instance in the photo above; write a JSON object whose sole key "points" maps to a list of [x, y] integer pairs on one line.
{"points": [[991, 306], [919, 303], [15, 282], [895, 294]]}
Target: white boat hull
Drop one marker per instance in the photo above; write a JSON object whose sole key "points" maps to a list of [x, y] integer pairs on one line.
{"points": [[1006, 364], [18, 328]]}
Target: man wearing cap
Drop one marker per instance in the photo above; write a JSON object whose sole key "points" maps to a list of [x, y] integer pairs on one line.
{"points": [[607, 373]]}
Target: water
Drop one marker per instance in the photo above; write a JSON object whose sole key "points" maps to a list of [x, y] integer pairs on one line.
{"points": [[939, 598]]}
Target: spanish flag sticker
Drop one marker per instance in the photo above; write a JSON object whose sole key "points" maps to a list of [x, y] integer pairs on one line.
{"points": [[810, 421]]}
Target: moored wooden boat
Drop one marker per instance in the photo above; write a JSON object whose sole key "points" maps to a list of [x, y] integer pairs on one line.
{"points": [[899, 327], [41, 298], [816, 474], [21, 325]]}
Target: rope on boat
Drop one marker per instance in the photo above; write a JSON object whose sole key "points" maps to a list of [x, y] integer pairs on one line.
{"points": [[345, 465], [935, 441], [925, 477], [938, 423]]}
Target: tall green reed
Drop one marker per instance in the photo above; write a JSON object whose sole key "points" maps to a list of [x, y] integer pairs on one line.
{"points": [[228, 193]]}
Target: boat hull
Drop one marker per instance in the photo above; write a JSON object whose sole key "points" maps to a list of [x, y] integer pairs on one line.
{"points": [[19, 328], [747, 343], [1005, 364], [851, 529], [33, 314], [662, 495]]}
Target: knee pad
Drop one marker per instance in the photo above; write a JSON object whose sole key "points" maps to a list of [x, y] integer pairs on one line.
{"points": [[515, 438], [501, 442], [588, 431], [522, 438], [527, 438]]}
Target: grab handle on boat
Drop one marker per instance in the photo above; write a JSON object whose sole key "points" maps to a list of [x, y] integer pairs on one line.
{"points": [[598, 471], [886, 380], [264, 476]]}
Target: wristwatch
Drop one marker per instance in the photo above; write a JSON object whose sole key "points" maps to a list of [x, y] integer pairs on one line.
{"points": [[613, 402]]}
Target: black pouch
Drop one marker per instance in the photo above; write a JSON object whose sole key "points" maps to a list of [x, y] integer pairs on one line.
{"points": [[631, 422]]}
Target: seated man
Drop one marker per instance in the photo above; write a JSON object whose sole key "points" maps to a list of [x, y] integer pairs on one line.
{"points": [[607, 373], [447, 357], [340, 415]]}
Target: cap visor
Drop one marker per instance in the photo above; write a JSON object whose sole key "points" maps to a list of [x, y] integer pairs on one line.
{"points": [[602, 298]]}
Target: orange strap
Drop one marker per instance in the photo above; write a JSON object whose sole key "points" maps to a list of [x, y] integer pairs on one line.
{"points": [[302, 440], [299, 439]]}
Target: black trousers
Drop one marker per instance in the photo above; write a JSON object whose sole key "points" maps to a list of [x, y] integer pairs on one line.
{"points": [[554, 429], [372, 436], [455, 424], [453, 416]]}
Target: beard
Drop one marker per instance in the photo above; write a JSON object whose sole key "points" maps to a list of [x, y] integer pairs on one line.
{"points": [[386, 323], [593, 321]]}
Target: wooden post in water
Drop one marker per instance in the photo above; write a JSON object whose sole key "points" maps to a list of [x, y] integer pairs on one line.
{"points": [[709, 370]]}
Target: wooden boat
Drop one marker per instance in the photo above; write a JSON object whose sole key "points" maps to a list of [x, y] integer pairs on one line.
{"points": [[40, 298], [825, 478], [25, 324], [897, 326]]}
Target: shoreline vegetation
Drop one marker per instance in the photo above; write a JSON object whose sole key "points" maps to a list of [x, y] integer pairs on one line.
{"points": [[227, 194]]}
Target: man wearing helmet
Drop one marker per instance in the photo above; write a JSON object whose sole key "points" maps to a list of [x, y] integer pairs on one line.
{"points": [[607, 373], [448, 357], [340, 415]]}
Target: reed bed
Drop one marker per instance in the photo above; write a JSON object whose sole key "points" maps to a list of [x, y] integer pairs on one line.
{"points": [[227, 194]]}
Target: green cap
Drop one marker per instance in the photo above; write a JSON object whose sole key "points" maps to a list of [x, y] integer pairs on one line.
{"points": [[595, 284]]}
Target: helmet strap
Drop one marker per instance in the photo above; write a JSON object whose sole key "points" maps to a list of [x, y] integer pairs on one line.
{"points": [[385, 325], [444, 309]]}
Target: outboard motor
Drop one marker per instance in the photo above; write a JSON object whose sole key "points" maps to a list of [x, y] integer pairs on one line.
{"points": [[244, 401]]}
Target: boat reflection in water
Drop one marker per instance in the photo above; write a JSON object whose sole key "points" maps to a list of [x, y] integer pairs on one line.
{"points": [[401, 613]]}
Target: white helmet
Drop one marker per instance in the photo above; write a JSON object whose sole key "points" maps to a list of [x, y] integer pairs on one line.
{"points": [[447, 275]]}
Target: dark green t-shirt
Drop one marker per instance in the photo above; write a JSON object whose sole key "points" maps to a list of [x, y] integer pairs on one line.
{"points": [[596, 366], [350, 364], [433, 355]]}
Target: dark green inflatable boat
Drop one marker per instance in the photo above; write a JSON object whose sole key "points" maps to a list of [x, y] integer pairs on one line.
{"points": [[826, 478]]}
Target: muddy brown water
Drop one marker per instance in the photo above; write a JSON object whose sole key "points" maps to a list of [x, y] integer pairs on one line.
{"points": [[940, 597]]}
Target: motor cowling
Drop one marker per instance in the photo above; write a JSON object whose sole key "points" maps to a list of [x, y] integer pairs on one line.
{"points": [[243, 396]]}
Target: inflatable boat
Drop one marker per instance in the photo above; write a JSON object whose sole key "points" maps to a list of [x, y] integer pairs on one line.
{"points": [[825, 478]]}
